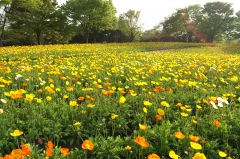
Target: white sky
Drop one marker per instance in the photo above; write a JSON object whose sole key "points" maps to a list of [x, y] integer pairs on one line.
{"points": [[154, 11]]}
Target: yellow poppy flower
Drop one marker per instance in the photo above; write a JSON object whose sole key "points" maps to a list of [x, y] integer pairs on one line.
{"points": [[195, 146], [173, 155], [16, 133], [122, 100], [77, 123], [114, 116], [199, 155], [165, 104], [184, 114], [222, 154], [147, 103], [143, 127], [128, 148], [161, 111], [144, 109]]}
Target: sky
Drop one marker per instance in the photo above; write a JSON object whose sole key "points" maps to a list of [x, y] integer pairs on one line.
{"points": [[154, 11]]}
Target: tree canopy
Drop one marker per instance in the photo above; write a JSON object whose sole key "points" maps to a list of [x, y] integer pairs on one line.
{"points": [[129, 24], [29, 22], [91, 16]]}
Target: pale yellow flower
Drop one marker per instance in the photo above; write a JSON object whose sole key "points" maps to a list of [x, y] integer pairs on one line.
{"points": [[128, 148], [144, 109], [161, 111], [1, 111], [114, 116], [77, 123]]}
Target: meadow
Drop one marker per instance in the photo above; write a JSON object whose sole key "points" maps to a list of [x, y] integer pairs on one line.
{"points": [[105, 101]]}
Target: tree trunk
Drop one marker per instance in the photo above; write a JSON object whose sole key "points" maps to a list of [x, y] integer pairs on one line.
{"points": [[94, 38], [2, 33], [39, 38], [87, 37]]}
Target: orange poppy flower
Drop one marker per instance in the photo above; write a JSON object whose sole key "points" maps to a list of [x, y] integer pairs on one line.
{"points": [[141, 141], [88, 96], [150, 95], [49, 152], [73, 79], [62, 78], [206, 102], [81, 99], [179, 135], [26, 149], [104, 92], [107, 84], [155, 90], [18, 153], [153, 156], [170, 90], [216, 123], [24, 84], [87, 145], [50, 80], [50, 144], [8, 157], [179, 104], [194, 138], [161, 88], [69, 89], [158, 117], [64, 151]]}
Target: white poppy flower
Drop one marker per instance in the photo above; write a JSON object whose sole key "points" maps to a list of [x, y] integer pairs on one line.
{"points": [[42, 82], [1, 111], [3, 101], [221, 101], [214, 105], [18, 76]]}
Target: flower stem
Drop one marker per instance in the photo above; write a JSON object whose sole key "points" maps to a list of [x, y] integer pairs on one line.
{"points": [[86, 154]]}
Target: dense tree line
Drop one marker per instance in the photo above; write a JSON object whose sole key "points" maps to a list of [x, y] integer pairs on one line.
{"points": [[30, 22], [212, 22]]}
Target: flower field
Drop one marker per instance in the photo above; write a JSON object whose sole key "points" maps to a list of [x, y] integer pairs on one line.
{"points": [[105, 101]]}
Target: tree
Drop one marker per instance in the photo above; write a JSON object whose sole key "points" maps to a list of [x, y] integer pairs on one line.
{"points": [[182, 25], [61, 30], [191, 16], [105, 18], [33, 17], [91, 16], [4, 7], [217, 16], [237, 31], [129, 24], [151, 35], [174, 26]]}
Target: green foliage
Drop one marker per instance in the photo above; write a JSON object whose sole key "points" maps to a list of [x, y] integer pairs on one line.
{"points": [[218, 16], [41, 86], [212, 22], [129, 24], [91, 16], [32, 18]]}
